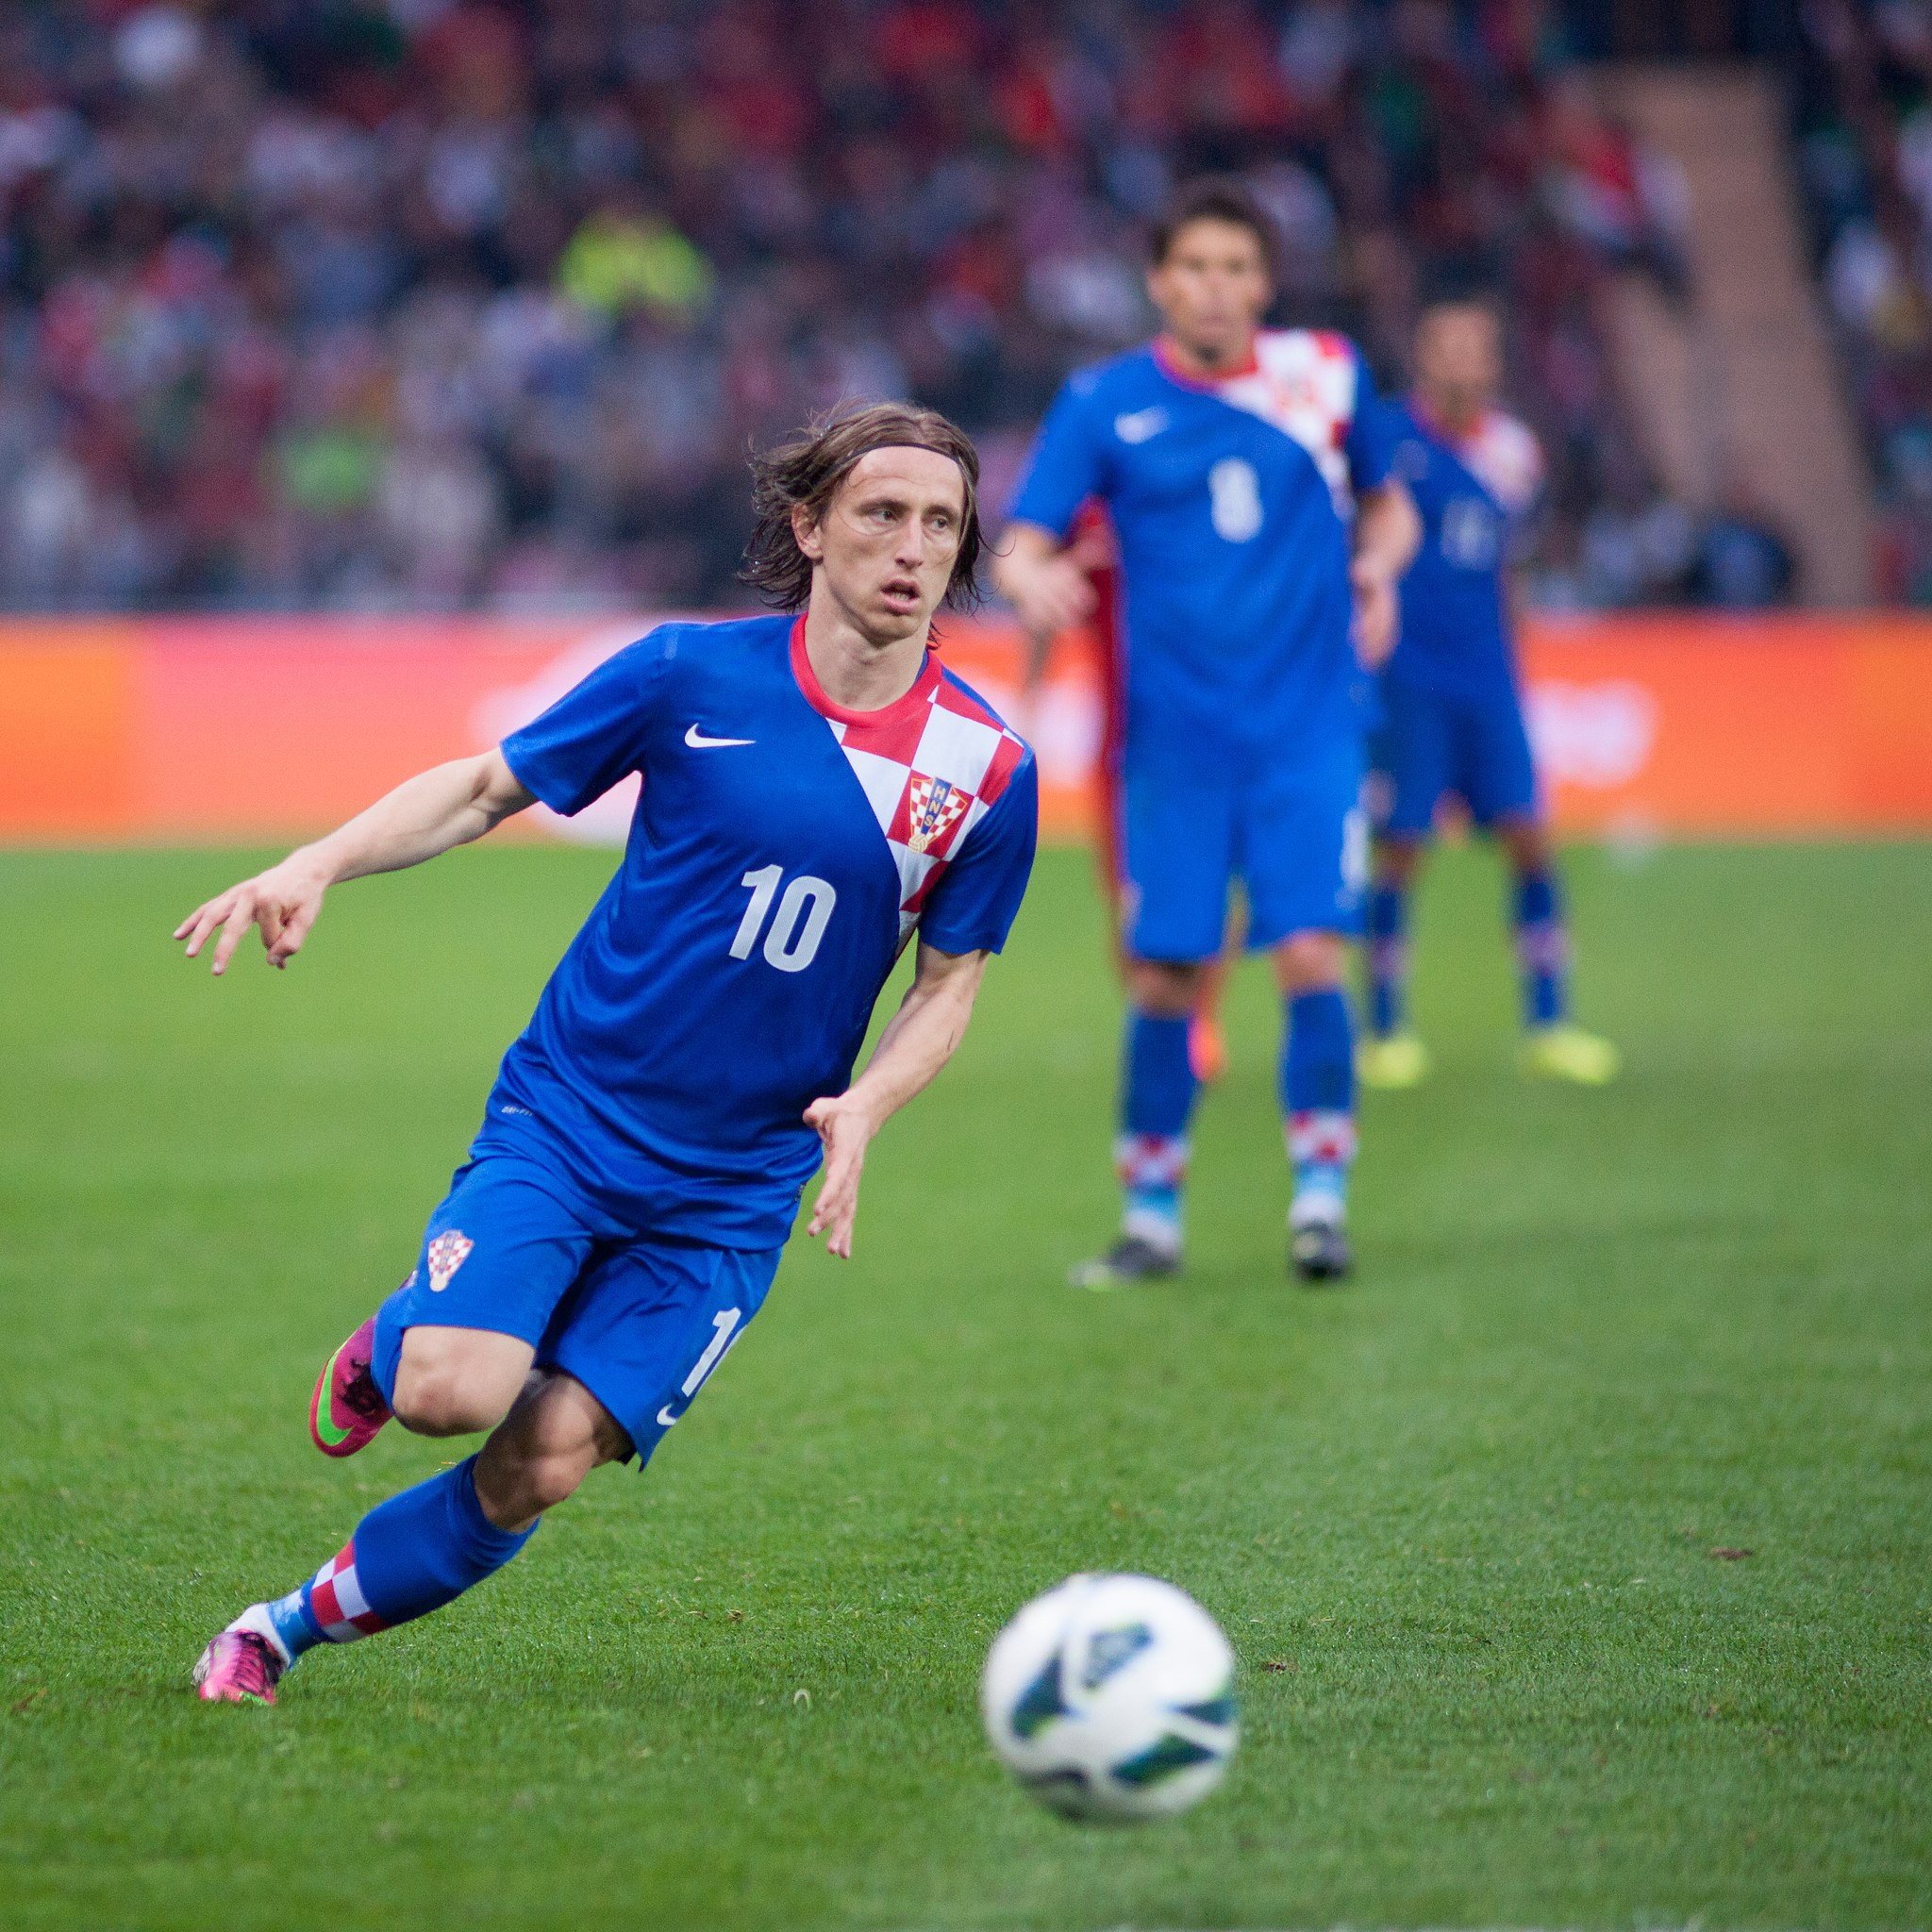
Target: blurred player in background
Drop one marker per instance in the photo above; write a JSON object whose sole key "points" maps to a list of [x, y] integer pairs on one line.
{"points": [[1260, 536], [816, 790], [1452, 711]]}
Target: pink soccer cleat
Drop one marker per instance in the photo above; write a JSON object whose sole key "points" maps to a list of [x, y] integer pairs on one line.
{"points": [[347, 1409], [241, 1666]]}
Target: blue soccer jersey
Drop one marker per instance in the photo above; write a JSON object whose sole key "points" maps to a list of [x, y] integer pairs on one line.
{"points": [[783, 852], [1231, 503], [1474, 493]]}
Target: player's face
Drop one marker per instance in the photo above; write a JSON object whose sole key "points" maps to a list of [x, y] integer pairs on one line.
{"points": [[1459, 360], [888, 541], [1212, 288]]}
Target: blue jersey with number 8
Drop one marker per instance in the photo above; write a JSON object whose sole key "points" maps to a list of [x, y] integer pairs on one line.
{"points": [[1231, 503], [783, 851]]}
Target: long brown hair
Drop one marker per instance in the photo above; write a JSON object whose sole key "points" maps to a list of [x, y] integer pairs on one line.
{"points": [[806, 472]]}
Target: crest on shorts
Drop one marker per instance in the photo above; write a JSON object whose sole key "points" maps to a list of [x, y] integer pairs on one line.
{"points": [[447, 1253], [935, 807]]}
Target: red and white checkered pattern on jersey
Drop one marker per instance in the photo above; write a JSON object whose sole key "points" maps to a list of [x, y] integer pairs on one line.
{"points": [[335, 1597], [1303, 382], [1321, 1136], [1505, 458], [931, 766], [1151, 1160]]}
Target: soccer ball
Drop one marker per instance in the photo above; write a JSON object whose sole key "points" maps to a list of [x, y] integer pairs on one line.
{"points": [[1112, 1697]]}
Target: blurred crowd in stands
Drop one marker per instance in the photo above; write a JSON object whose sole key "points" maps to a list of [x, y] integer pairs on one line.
{"points": [[382, 303], [1864, 110]]}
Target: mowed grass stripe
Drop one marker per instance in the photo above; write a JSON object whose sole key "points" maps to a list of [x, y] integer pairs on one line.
{"points": [[1458, 1518]]}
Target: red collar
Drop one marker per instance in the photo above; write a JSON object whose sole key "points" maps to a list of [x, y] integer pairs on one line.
{"points": [[914, 700], [1207, 385]]}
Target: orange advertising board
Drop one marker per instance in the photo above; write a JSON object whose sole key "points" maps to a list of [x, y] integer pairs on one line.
{"points": [[178, 729]]}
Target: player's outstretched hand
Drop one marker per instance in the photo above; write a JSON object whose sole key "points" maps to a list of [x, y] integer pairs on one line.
{"points": [[282, 902], [847, 1128]]}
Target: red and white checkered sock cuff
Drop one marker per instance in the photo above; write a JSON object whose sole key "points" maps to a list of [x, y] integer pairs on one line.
{"points": [[336, 1599], [1321, 1137], [1151, 1160]]}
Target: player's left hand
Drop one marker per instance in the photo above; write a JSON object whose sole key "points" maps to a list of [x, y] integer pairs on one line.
{"points": [[846, 1127], [1377, 613]]}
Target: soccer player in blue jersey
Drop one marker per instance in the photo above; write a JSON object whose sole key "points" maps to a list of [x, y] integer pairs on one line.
{"points": [[816, 789], [1260, 535], [1452, 714]]}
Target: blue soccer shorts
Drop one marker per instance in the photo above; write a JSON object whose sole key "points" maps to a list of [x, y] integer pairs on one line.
{"points": [[1431, 743], [1292, 833], [641, 1322]]}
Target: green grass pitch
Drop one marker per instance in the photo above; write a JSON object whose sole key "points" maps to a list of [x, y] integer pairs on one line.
{"points": [[1458, 1519]]}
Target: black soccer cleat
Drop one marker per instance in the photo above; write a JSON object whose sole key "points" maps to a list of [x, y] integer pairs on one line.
{"points": [[1318, 1252], [1131, 1259]]}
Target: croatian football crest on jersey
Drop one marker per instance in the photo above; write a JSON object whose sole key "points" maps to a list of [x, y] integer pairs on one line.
{"points": [[933, 806], [447, 1253]]}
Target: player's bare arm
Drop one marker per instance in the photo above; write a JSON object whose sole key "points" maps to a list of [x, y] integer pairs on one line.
{"points": [[445, 806], [1388, 529], [919, 1038]]}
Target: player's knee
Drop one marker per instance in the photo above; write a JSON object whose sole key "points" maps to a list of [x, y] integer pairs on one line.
{"points": [[442, 1402], [1163, 986], [1523, 840], [1309, 962], [553, 1477]]}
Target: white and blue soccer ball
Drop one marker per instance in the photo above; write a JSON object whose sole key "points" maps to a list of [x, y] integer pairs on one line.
{"points": [[1112, 1697]]}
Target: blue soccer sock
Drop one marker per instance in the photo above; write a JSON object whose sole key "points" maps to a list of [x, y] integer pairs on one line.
{"points": [[1542, 949], [1387, 954], [1318, 1098], [1156, 1097], [408, 1556]]}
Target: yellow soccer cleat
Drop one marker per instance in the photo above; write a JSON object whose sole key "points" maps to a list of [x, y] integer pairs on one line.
{"points": [[1564, 1052], [1394, 1060]]}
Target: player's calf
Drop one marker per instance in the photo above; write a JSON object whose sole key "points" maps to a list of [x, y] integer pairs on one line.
{"points": [[554, 1437]]}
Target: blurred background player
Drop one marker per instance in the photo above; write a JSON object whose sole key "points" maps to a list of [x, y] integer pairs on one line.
{"points": [[1260, 535], [1452, 709], [817, 791]]}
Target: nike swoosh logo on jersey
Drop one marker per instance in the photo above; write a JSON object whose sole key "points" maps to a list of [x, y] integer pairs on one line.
{"points": [[1139, 424], [664, 1418], [698, 742]]}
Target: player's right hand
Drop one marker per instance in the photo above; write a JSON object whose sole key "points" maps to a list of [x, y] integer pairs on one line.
{"points": [[282, 902], [1050, 596]]}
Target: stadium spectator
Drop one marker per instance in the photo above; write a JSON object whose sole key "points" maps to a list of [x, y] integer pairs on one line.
{"points": [[438, 303], [1863, 95]]}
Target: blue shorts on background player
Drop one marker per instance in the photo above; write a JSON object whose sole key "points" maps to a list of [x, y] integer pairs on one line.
{"points": [[1451, 721], [817, 792], [1245, 473]]}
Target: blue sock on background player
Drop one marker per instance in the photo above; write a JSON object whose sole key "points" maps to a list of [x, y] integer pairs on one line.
{"points": [[1387, 937], [410, 1556], [1318, 1098], [1542, 949], [1156, 1097]]}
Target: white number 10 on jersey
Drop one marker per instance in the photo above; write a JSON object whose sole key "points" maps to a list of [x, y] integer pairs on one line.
{"points": [[804, 912]]}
